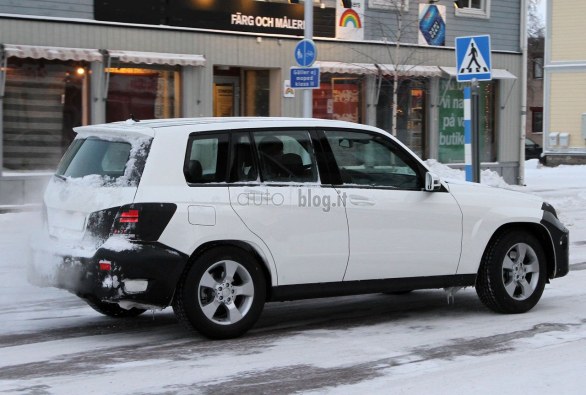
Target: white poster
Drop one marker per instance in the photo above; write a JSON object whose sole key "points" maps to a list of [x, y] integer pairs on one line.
{"points": [[287, 90], [350, 21]]}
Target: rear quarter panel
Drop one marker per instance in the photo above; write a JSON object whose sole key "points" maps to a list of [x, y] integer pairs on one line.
{"points": [[204, 213]]}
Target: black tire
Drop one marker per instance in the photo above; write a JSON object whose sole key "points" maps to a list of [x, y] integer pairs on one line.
{"points": [[217, 305], [113, 310], [512, 273]]}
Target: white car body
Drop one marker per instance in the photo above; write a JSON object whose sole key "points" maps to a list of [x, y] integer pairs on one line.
{"points": [[314, 238]]}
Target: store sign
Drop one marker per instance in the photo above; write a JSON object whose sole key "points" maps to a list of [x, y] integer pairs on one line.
{"points": [[451, 123], [232, 15], [432, 25]]}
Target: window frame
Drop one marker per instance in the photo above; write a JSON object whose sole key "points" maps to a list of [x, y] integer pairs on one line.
{"points": [[482, 12], [396, 148], [534, 112], [538, 70], [224, 137], [314, 153]]}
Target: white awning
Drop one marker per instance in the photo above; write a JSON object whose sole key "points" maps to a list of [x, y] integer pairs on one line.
{"points": [[52, 53], [497, 74], [346, 68], [158, 58], [411, 70], [371, 68]]}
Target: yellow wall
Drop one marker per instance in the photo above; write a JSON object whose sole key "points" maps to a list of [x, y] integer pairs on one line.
{"points": [[567, 30], [566, 105]]}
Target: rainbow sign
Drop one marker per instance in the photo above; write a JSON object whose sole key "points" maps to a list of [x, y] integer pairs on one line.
{"points": [[350, 19]]}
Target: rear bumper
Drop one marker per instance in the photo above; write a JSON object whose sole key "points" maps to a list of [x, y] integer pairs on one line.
{"points": [[144, 276]]}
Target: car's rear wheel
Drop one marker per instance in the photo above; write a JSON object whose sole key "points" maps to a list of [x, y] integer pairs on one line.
{"points": [[222, 294], [512, 274], [113, 310]]}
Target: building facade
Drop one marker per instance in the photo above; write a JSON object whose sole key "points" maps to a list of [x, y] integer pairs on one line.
{"points": [[388, 63], [535, 73], [565, 85]]}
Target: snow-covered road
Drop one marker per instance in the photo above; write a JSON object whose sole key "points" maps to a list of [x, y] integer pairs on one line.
{"points": [[52, 343]]}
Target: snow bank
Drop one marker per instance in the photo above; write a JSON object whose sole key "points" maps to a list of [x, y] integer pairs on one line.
{"points": [[487, 177]]}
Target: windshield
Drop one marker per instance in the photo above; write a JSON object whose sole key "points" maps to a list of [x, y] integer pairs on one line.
{"points": [[106, 161]]}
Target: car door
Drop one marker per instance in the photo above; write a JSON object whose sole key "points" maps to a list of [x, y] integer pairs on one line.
{"points": [[397, 229], [275, 189]]}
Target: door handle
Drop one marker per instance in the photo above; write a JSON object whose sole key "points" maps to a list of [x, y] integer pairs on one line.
{"points": [[358, 200]]}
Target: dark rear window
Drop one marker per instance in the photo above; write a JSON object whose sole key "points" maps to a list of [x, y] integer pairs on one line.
{"points": [[114, 161]]}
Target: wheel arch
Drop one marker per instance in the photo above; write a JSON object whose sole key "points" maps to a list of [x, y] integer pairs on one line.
{"points": [[539, 232], [242, 245]]}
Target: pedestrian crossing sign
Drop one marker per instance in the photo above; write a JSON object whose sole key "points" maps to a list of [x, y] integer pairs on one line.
{"points": [[473, 58]]}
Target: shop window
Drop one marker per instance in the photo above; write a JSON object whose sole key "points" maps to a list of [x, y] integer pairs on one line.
{"points": [[256, 93], [42, 103], [536, 119], [410, 112], [339, 97], [473, 8], [144, 93], [451, 122]]}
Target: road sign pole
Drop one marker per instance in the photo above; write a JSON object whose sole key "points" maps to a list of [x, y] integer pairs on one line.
{"points": [[308, 34], [475, 121], [468, 135], [473, 64]]}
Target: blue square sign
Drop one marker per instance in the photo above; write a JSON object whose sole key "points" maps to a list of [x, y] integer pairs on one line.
{"points": [[305, 77], [473, 58]]}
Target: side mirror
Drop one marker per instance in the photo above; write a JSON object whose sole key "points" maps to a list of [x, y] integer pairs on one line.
{"points": [[432, 182]]}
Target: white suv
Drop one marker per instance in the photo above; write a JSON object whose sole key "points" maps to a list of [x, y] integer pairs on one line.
{"points": [[218, 216]]}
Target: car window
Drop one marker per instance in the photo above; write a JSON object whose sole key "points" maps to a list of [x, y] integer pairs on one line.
{"points": [[120, 161], [285, 156], [206, 159], [243, 163], [371, 160]]}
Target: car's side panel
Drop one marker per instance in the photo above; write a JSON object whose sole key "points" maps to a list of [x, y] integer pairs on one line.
{"points": [[400, 233], [304, 227], [485, 210]]}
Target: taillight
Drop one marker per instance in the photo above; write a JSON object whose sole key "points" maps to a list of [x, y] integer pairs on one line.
{"points": [[143, 221], [129, 216], [126, 222], [105, 265]]}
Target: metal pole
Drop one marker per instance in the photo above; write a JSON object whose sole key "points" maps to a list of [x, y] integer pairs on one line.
{"points": [[3, 70], [475, 104], [468, 135], [308, 34]]}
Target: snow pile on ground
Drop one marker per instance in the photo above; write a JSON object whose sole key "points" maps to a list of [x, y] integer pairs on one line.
{"points": [[487, 177]]}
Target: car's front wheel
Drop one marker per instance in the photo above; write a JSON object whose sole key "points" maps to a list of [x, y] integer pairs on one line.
{"points": [[222, 294], [512, 274]]}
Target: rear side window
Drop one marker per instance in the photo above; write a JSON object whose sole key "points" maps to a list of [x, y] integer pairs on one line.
{"points": [[207, 157], [285, 156], [110, 161]]}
